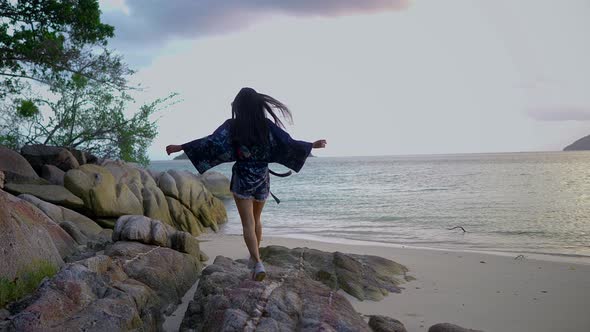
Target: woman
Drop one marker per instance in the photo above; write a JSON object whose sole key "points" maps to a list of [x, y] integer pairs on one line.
{"points": [[251, 140]]}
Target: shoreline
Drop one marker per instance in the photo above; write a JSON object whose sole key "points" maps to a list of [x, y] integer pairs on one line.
{"points": [[475, 290]]}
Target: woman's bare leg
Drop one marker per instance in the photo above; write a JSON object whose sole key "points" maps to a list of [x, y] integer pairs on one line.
{"points": [[245, 208], [258, 206]]}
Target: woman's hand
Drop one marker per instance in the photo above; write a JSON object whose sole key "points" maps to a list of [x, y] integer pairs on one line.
{"points": [[319, 144], [173, 149]]}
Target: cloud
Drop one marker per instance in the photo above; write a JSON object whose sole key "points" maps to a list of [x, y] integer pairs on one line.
{"points": [[570, 113], [151, 22]]}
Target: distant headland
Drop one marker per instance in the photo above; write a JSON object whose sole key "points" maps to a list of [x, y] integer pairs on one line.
{"points": [[579, 145]]}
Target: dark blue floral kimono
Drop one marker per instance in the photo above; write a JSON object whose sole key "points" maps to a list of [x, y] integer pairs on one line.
{"points": [[250, 172]]}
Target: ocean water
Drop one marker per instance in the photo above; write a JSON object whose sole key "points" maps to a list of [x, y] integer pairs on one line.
{"points": [[509, 202]]}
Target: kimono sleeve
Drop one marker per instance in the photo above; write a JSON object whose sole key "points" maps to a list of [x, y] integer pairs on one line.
{"points": [[287, 151], [207, 152]]}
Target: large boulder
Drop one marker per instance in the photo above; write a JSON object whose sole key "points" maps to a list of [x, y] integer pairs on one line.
{"points": [[39, 155], [49, 193], [217, 184], [143, 186], [60, 214], [192, 206], [53, 174], [228, 300], [166, 271], [362, 276], [16, 168], [24, 237], [150, 231], [102, 195]]}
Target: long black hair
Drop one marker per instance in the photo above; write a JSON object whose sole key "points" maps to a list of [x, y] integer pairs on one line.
{"points": [[248, 111]]}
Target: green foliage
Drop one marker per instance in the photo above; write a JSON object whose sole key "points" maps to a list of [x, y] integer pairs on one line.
{"points": [[27, 109], [26, 281], [85, 115], [42, 39]]}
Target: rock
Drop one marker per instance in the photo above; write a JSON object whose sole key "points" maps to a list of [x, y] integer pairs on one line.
{"points": [[74, 232], [106, 222], [49, 193], [2, 179], [192, 207], [385, 324], [150, 231], [53, 174], [102, 195], [227, 300], [15, 167], [79, 155], [362, 276], [579, 145], [217, 184], [24, 237], [131, 290], [142, 229], [101, 241], [168, 272], [60, 214], [39, 155], [4, 314], [203, 257], [448, 327]]}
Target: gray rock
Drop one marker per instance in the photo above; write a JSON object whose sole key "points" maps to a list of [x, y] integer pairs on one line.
{"points": [[217, 184], [2, 178], [448, 327], [60, 214], [16, 168], [288, 300], [385, 324], [53, 174], [168, 272], [362, 276], [4, 314], [38, 155], [74, 232], [49, 193], [24, 238]]}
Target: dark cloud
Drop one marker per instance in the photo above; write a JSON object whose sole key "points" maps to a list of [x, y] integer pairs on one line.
{"points": [[560, 114], [153, 21]]}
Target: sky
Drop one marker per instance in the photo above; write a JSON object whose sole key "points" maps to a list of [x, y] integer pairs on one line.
{"points": [[373, 77]]}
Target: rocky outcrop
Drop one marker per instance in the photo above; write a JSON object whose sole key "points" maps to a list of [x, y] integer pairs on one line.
{"points": [[579, 145], [288, 300], [26, 237], [39, 155], [16, 168], [130, 287], [48, 192], [448, 327], [60, 214], [362, 276], [217, 184], [300, 293], [53, 174], [114, 189]]}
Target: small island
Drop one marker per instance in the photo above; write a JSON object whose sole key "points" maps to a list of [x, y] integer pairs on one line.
{"points": [[579, 145]]}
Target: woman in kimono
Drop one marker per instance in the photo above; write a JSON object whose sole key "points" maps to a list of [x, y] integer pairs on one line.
{"points": [[252, 140]]}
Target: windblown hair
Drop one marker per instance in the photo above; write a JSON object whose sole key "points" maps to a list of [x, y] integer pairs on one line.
{"points": [[249, 110]]}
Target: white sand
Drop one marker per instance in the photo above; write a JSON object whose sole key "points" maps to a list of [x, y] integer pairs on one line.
{"points": [[475, 290]]}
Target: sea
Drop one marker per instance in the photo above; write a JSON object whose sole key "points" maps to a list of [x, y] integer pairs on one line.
{"points": [[512, 203]]}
